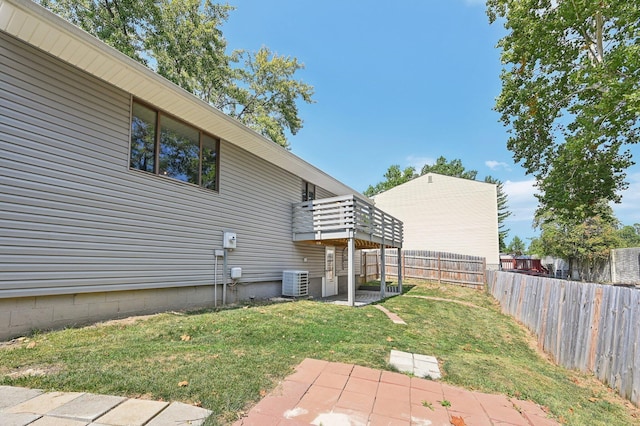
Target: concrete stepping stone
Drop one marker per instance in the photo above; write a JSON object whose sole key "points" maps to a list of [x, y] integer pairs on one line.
{"points": [[17, 419], [33, 407], [416, 364], [87, 407], [10, 395], [178, 414], [393, 317], [44, 403], [57, 421], [132, 412]]}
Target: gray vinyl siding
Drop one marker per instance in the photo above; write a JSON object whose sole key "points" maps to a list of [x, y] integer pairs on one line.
{"points": [[322, 193], [75, 219]]}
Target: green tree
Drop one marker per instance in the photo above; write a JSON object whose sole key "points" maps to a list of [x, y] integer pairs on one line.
{"points": [[630, 235], [450, 168], [516, 246], [535, 247], [186, 46], [117, 23], [182, 40], [571, 97], [393, 177], [267, 99], [503, 211], [586, 245]]}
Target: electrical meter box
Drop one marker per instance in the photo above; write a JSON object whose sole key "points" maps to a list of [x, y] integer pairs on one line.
{"points": [[229, 240]]}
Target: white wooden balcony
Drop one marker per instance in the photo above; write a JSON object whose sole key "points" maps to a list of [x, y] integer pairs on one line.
{"points": [[336, 220]]}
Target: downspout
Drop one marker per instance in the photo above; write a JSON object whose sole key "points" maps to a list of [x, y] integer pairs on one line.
{"points": [[224, 278], [216, 254], [383, 263], [383, 271], [215, 280]]}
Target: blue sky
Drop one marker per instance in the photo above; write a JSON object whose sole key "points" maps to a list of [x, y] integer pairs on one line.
{"points": [[400, 83]]}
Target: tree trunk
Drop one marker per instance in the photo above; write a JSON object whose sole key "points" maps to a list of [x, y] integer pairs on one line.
{"points": [[599, 22]]}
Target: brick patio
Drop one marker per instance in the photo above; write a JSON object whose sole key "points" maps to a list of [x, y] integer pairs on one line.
{"points": [[336, 394]]}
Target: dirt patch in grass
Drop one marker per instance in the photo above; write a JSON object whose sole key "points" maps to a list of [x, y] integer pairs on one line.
{"points": [[15, 343], [32, 371], [123, 322]]}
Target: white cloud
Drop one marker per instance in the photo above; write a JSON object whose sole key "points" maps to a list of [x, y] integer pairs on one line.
{"points": [[419, 162], [495, 165], [521, 199]]}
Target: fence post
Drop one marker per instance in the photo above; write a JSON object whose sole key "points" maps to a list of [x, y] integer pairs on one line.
{"points": [[439, 270], [400, 267], [484, 271]]}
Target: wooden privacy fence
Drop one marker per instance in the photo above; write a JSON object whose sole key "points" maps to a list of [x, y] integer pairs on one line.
{"points": [[591, 327], [432, 265]]}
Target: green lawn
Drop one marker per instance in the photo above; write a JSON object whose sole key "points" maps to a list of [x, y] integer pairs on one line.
{"points": [[231, 357]]}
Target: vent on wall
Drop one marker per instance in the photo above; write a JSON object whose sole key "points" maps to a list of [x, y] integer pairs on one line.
{"points": [[295, 283]]}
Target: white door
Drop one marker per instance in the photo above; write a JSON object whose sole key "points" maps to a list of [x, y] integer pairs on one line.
{"points": [[330, 280]]}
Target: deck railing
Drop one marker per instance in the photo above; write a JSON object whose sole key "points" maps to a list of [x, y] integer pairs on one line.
{"points": [[345, 217]]}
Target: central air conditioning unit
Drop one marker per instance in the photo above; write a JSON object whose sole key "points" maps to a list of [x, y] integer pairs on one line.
{"points": [[295, 283]]}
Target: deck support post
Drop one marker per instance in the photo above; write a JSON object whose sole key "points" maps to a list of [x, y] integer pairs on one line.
{"points": [[351, 283], [400, 270], [383, 272]]}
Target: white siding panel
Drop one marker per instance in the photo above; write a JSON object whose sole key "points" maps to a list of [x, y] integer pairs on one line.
{"points": [[85, 59], [74, 218], [51, 39], [71, 51], [445, 213], [39, 35], [16, 20], [58, 45]]}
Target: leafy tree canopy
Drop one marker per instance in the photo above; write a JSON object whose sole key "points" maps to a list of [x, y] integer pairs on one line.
{"points": [[516, 246], [182, 40], [503, 211], [535, 247], [393, 177], [630, 235], [571, 97], [450, 168]]}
